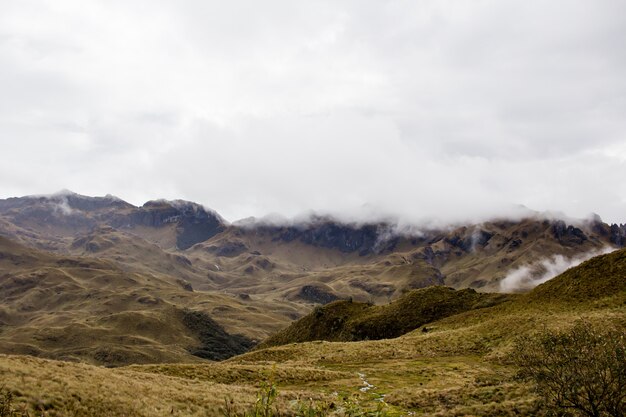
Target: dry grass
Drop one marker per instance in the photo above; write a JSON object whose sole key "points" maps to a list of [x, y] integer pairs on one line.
{"points": [[67, 389], [438, 385], [459, 366]]}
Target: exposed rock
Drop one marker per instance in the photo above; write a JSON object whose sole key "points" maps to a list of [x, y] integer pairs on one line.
{"points": [[469, 240], [264, 263], [618, 234], [515, 243], [364, 239], [184, 285], [567, 234], [194, 224], [317, 294], [182, 260], [227, 249]]}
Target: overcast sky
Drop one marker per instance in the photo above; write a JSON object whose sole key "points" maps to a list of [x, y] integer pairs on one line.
{"points": [[417, 108]]}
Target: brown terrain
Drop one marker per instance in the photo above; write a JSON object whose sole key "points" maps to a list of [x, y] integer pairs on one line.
{"points": [[99, 280]]}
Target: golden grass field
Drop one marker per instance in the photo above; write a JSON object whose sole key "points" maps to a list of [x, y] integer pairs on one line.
{"points": [[460, 366]]}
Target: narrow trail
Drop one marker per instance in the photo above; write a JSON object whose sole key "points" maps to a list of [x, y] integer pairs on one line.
{"points": [[368, 387]]}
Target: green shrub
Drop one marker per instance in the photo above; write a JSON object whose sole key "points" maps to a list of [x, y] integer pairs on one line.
{"points": [[581, 371], [7, 407]]}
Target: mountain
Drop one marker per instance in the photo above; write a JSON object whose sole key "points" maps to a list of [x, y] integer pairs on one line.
{"points": [[154, 283], [50, 222], [323, 260]]}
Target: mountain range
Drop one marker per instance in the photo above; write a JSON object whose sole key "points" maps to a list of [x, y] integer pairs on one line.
{"points": [[194, 314], [97, 279]]}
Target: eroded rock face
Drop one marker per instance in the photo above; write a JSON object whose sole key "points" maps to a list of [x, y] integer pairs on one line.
{"points": [[152, 215], [317, 294], [618, 234], [194, 223], [347, 238], [470, 240], [228, 249], [568, 234], [71, 214]]}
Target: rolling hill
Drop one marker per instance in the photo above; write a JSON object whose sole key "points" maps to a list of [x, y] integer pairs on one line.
{"points": [[99, 280], [92, 310], [460, 366]]}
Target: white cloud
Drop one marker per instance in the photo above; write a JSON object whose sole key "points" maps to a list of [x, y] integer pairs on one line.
{"points": [[528, 277], [433, 108]]}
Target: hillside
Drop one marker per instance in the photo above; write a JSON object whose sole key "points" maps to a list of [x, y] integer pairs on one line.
{"points": [[352, 321], [460, 366], [103, 281], [601, 277], [309, 261], [600, 281], [83, 308]]}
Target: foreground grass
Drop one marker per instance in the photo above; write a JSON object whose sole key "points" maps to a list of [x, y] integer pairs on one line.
{"points": [[428, 386], [458, 366]]}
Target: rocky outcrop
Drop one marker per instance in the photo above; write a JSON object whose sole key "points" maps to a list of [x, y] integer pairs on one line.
{"points": [[618, 234], [568, 234], [194, 223], [228, 249], [347, 238], [317, 294], [470, 240]]}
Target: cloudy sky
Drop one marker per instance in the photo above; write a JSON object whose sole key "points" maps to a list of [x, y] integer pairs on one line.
{"points": [[416, 108]]}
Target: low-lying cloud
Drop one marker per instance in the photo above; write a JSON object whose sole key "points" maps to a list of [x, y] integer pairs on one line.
{"points": [[421, 110], [528, 277]]}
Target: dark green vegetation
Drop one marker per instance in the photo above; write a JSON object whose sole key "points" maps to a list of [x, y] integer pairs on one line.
{"points": [[216, 344], [352, 321], [582, 370]]}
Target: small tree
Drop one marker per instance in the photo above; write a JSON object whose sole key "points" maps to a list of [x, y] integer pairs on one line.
{"points": [[582, 370]]}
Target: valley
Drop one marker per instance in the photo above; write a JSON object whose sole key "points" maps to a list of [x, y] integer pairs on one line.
{"points": [[192, 312]]}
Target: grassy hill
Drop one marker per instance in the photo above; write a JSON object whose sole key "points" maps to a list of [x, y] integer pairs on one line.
{"points": [[602, 277], [91, 310], [352, 321], [461, 366]]}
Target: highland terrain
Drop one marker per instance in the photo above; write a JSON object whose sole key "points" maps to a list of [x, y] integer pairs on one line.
{"points": [[190, 310]]}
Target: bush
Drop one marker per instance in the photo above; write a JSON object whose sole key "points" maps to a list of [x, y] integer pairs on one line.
{"points": [[581, 371], [7, 408]]}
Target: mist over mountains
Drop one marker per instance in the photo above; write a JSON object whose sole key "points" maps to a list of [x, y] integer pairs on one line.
{"points": [[102, 269], [323, 208]]}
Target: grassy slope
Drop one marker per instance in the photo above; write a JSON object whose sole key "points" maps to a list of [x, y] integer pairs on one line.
{"points": [[351, 321], [77, 308], [475, 342], [460, 367]]}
